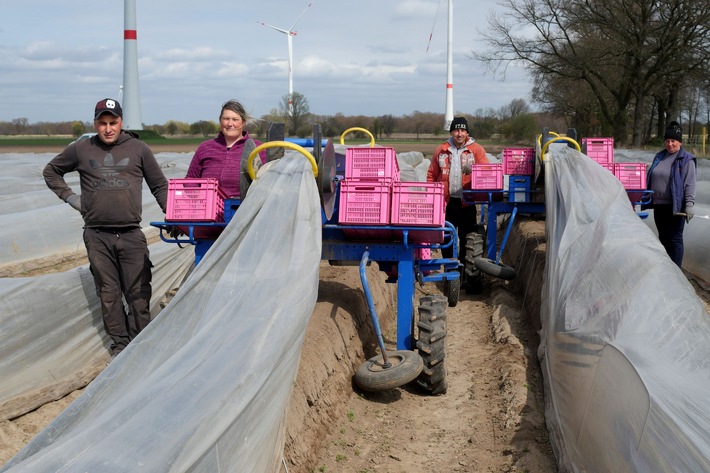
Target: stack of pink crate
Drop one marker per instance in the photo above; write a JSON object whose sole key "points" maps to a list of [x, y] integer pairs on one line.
{"points": [[519, 167], [600, 150], [372, 194], [631, 175]]}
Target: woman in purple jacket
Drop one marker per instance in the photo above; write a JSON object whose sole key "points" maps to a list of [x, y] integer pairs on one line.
{"points": [[220, 157], [671, 177]]}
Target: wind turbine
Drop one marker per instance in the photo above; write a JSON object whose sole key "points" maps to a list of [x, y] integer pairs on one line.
{"points": [[131, 97], [449, 110], [290, 33]]}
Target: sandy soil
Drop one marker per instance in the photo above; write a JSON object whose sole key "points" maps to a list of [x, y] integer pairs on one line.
{"points": [[491, 418]]}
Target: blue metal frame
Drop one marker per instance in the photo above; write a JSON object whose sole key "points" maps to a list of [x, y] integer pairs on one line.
{"points": [[496, 204], [338, 249]]}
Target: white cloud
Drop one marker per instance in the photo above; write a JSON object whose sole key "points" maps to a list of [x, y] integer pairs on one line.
{"points": [[353, 57]]}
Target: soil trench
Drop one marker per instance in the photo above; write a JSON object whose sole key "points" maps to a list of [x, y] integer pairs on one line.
{"points": [[492, 416]]}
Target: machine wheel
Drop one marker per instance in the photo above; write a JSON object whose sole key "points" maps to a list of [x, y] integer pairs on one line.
{"points": [[373, 376], [497, 270], [432, 343], [473, 279], [452, 289]]}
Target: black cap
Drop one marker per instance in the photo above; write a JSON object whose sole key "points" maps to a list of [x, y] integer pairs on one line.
{"points": [[458, 123], [108, 106], [674, 132]]}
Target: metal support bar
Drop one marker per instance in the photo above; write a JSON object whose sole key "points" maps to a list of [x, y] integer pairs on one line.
{"points": [[505, 207], [507, 232], [371, 305]]}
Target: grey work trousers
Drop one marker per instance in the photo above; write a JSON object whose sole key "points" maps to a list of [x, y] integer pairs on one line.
{"points": [[120, 264]]}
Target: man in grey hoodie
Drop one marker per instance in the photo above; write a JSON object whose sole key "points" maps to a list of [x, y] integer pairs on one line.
{"points": [[112, 166]]}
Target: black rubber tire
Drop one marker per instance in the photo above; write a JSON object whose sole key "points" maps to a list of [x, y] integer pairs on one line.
{"points": [[452, 289], [490, 267], [432, 343], [373, 376], [473, 278]]}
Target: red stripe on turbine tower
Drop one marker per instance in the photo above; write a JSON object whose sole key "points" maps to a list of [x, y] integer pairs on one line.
{"points": [[130, 34]]}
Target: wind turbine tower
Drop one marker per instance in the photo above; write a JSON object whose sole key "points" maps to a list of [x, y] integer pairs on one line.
{"points": [[131, 104], [290, 33], [449, 113], [449, 110]]}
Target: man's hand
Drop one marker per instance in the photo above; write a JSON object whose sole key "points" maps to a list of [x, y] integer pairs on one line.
{"points": [[466, 168], [689, 212], [75, 201]]}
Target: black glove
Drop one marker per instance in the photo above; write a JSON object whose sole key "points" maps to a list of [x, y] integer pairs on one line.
{"points": [[174, 232]]}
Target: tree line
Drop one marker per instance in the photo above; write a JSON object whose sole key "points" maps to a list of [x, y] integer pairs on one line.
{"points": [[513, 122]]}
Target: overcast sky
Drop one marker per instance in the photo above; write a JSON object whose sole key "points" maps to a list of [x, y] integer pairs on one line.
{"points": [[355, 57]]}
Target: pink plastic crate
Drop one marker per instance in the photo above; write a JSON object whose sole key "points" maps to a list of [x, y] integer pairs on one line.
{"points": [[600, 150], [364, 202], [371, 163], [418, 204], [632, 176], [487, 177], [195, 200], [519, 161]]}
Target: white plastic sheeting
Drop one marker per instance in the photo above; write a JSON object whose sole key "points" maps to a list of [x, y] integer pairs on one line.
{"points": [[205, 386], [51, 325], [35, 224], [52, 334], [625, 341]]}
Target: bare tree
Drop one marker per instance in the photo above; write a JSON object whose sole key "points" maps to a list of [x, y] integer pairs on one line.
{"points": [[388, 123], [20, 125], [297, 118], [621, 51], [513, 109]]}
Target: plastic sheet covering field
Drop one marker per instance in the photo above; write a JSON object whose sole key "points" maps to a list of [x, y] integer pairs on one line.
{"points": [[51, 325], [36, 225], [205, 386], [625, 341], [52, 339]]}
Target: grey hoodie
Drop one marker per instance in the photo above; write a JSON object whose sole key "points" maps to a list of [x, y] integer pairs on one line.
{"points": [[111, 178]]}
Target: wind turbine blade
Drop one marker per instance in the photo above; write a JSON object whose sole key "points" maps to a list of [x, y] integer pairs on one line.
{"points": [[299, 16], [436, 15], [274, 27]]}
